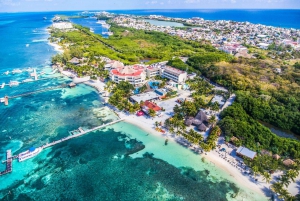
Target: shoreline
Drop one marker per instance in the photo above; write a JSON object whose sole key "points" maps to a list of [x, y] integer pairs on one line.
{"points": [[234, 175], [260, 187]]}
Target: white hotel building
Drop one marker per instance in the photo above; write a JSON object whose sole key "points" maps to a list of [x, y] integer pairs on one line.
{"points": [[174, 74], [133, 74]]}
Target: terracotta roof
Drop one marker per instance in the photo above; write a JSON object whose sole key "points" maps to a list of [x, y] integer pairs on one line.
{"points": [[152, 106], [127, 71]]}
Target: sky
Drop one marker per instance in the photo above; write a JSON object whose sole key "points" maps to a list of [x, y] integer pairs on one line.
{"points": [[55, 5]]}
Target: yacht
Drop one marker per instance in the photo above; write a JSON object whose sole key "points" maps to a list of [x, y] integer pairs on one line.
{"points": [[2, 100], [102, 22], [28, 80], [16, 71], [14, 83], [6, 73], [3, 85], [91, 30], [29, 153], [106, 26]]}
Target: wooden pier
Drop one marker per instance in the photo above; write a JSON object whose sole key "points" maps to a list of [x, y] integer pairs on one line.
{"points": [[10, 157], [8, 161], [37, 91], [82, 132]]}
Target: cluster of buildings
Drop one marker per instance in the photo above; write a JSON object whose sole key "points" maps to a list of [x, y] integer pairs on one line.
{"points": [[223, 34], [62, 24], [137, 74]]}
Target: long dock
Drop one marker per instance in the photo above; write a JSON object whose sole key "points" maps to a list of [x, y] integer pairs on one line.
{"points": [[38, 91], [10, 157], [82, 132], [8, 161]]}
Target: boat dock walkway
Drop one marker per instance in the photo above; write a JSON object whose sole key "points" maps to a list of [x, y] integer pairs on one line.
{"points": [[8, 161], [10, 157], [82, 132], [38, 91]]}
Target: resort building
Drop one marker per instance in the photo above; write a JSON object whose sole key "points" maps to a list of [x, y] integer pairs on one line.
{"points": [[174, 74], [113, 65], [133, 74], [152, 71], [245, 152], [151, 95]]}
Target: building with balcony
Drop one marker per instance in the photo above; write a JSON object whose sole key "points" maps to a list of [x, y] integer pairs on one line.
{"points": [[135, 75], [153, 71], [174, 74]]}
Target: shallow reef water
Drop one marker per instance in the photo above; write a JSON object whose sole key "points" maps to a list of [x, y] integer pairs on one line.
{"points": [[86, 169]]}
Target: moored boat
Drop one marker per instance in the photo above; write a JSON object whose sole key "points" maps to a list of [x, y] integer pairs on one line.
{"points": [[29, 153]]}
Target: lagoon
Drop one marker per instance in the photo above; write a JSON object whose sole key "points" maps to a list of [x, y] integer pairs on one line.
{"points": [[164, 23]]}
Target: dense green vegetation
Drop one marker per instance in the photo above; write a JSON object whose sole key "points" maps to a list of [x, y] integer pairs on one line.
{"points": [[264, 94], [236, 122], [120, 97], [178, 63]]}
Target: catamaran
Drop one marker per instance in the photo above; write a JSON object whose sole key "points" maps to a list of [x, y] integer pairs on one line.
{"points": [[29, 153]]}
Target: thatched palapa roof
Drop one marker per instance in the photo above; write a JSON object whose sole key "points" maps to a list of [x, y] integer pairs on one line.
{"points": [[197, 122], [189, 121], [276, 156], [265, 152], [202, 127], [288, 162], [201, 116]]}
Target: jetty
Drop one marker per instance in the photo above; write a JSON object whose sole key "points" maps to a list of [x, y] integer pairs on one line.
{"points": [[81, 132], [8, 161]]}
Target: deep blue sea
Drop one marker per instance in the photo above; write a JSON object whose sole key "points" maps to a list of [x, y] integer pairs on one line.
{"points": [[96, 166]]}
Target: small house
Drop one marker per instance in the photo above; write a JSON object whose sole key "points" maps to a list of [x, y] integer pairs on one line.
{"points": [[245, 152]]}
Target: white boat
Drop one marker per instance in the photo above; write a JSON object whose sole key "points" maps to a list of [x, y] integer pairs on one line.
{"points": [[101, 22], [91, 30], [29, 153], [16, 71], [106, 26], [29, 69], [6, 73], [28, 80], [2, 100], [14, 83], [3, 85]]}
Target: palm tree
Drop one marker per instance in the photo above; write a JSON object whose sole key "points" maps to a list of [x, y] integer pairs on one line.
{"points": [[292, 174], [267, 177], [213, 120], [171, 130], [255, 170], [285, 180], [277, 187], [156, 124]]}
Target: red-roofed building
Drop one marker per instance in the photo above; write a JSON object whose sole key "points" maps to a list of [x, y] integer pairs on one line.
{"points": [[133, 74], [149, 105]]}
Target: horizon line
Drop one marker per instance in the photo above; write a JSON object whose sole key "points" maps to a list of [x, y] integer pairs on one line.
{"points": [[151, 9]]}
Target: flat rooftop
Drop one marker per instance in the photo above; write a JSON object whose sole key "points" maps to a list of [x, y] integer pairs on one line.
{"points": [[144, 96]]}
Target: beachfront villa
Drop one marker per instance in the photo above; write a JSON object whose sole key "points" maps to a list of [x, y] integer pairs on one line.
{"points": [[135, 75], [174, 74]]}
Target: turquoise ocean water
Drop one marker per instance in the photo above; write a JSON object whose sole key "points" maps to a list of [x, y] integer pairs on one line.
{"points": [[120, 162]]}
